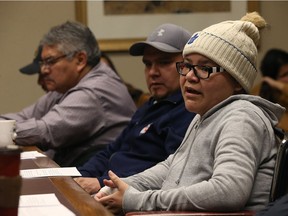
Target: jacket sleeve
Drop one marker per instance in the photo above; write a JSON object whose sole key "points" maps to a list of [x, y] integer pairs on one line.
{"points": [[36, 110], [65, 123], [152, 178]]}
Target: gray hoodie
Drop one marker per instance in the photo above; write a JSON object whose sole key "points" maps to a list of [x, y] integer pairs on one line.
{"points": [[225, 162]]}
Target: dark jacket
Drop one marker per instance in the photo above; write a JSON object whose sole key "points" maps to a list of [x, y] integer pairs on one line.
{"points": [[154, 132]]}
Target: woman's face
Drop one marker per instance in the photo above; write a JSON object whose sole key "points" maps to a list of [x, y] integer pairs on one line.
{"points": [[283, 73], [200, 95]]}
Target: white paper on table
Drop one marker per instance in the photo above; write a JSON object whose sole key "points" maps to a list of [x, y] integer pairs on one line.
{"points": [[47, 172], [31, 155], [41, 205]]}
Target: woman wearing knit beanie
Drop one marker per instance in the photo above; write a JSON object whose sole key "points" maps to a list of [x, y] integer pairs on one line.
{"points": [[225, 162]]}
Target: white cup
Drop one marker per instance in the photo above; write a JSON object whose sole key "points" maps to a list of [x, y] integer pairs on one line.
{"points": [[7, 132]]}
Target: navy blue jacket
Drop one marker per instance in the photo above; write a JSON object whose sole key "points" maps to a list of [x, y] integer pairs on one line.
{"points": [[154, 132]]}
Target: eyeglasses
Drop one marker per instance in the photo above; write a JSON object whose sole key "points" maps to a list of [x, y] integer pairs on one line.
{"points": [[51, 61], [200, 71]]}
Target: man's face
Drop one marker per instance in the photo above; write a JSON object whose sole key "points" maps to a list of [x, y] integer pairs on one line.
{"points": [[59, 74], [160, 72]]}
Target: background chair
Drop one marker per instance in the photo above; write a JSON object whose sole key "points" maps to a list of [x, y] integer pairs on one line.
{"points": [[280, 178]]}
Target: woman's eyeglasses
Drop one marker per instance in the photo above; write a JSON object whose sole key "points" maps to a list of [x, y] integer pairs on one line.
{"points": [[200, 71]]}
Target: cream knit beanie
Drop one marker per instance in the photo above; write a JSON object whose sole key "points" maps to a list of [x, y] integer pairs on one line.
{"points": [[232, 45]]}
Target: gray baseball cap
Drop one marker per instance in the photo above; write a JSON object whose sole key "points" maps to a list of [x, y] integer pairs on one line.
{"points": [[167, 37]]}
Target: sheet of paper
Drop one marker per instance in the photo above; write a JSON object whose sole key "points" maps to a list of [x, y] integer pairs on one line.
{"points": [[31, 155], [38, 200], [46, 172], [41, 205]]}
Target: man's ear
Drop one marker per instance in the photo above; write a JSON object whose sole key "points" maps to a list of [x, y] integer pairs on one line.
{"points": [[81, 60]]}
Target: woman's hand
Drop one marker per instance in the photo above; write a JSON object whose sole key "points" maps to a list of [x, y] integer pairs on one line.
{"points": [[113, 202]]}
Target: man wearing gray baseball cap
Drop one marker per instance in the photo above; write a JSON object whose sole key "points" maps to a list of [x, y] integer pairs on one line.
{"points": [[158, 127], [167, 38], [160, 50]]}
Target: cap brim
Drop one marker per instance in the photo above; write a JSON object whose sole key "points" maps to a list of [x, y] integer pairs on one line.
{"points": [[137, 49], [29, 69]]}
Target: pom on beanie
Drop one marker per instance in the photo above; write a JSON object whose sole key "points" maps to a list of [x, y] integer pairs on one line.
{"points": [[232, 45]]}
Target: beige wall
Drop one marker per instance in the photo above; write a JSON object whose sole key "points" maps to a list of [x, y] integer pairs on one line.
{"points": [[23, 23], [275, 36], [22, 26]]}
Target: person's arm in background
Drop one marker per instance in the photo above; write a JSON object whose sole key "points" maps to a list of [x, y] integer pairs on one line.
{"points": [[279, 86], [32, 113], [70, 114], [36, 110], [276, 84]]}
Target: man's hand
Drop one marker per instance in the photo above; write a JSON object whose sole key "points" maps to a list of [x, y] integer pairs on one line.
{"points": [[113, 202], [90, 185]]}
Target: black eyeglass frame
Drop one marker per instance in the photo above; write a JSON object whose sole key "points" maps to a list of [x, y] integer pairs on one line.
{"points": [[195, 69]]}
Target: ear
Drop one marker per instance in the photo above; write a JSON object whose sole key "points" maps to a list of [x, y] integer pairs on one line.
{"points": [[238, 89], [81, 60]]}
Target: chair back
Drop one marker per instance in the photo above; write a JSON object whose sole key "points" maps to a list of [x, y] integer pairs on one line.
{"points": [[279, 185]]}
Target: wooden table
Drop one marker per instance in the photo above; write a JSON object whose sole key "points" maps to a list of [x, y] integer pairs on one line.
{"points": [[65, 188]]}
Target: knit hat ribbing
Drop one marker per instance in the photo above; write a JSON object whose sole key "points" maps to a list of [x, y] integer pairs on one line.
{"points": [[232, 45]]}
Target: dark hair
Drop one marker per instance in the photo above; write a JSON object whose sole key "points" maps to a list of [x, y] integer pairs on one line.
{"points": [[273, 60], [71, 37], [271, 63]]}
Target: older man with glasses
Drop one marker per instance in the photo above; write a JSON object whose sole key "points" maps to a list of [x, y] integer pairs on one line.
{"points": [[87, 104]]}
